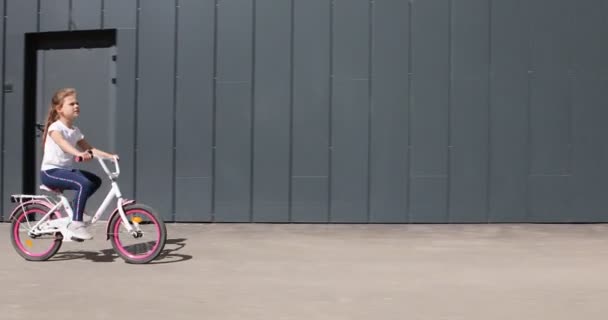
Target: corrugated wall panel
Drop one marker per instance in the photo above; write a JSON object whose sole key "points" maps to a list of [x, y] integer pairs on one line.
{"points": [[233, 160], [86, 14], [272, 111], [429, 111], [21, 18], [469, 132], [155, 106], [590, 174], [345, 111], [589, 112], [233, 111], [508, 111], [122, 14], [54, 15], [550, 110], [126, 41], [350, 111], [2, 112], [119, 14], [390, 111], [194, 110], [311, 61]]}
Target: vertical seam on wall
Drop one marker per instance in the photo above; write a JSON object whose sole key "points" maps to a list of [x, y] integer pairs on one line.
{"points": [[136, 109], [175, 79], [214, 109], [252, 113], [528, 153], [410, 76], [38, 16], [70, 9], [370, 106], [489, 118], [448, 210], [103, 9], [571, 82], [330, 108], [3, 118], [291, 106]]}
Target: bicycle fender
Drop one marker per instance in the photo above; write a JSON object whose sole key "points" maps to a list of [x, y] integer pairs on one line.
{"points": [[33, 201], [125, 203]]}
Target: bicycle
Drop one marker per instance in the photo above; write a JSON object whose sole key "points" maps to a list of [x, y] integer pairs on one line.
{"points": [[40, 219]]}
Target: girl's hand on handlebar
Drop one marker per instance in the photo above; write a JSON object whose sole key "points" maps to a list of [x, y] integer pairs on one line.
{"points": [[84, 156]]}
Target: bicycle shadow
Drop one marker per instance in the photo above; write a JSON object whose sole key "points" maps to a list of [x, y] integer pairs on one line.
{"points": [[168, 255]]}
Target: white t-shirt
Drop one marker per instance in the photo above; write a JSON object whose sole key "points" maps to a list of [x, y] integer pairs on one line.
{"points": [[54, 157]]}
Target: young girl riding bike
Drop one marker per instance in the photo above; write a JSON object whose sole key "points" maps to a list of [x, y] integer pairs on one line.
{"points": [[63, 141]]}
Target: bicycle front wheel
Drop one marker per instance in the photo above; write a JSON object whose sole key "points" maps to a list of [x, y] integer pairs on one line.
{"points": [[148, 241], [27, 242]]}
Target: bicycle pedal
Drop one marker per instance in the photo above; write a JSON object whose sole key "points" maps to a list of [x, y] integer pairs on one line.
{"points": [[77, 239]]}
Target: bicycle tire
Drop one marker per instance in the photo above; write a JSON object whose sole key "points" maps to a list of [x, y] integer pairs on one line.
{"points": [[22, 251], [121, 249]]}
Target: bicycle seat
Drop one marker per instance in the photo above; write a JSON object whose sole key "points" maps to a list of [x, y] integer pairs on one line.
{"points": [[45, 188]]}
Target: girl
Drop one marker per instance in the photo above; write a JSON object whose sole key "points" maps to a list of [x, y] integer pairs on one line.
{"points": [[60, 140]]}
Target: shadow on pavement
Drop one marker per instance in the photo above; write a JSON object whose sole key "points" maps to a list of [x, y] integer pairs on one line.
{"points": [[168, 255]]}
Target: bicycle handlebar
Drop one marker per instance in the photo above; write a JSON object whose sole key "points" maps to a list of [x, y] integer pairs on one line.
{"points": [[103, 165]]}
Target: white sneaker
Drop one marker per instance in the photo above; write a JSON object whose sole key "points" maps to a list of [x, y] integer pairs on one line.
{"points": [[57, 223], [86, 219], [79, 230]]}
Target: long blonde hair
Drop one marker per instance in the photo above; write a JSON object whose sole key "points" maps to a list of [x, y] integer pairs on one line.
{"points": [[56, 102]]}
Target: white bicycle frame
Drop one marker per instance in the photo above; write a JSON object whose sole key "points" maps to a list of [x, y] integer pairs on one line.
{"points": [[64, 203]]}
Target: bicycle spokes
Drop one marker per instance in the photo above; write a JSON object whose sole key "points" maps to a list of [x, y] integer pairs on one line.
{"points": [[36, 243], [143, 240]]}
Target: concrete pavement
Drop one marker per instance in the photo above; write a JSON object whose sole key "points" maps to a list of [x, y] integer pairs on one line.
{"points": [[342, 272]]}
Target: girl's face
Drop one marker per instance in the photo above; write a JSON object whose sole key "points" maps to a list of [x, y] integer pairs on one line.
{"points": [[70, 109]]}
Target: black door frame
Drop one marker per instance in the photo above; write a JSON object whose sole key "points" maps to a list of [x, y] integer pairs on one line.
{"points": [[46, 41]]}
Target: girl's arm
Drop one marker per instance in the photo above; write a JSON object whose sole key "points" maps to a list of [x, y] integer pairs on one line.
{"points": [[84, 145], [65, 145]]}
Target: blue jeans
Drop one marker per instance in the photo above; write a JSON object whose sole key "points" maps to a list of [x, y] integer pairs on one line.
{"points": [[85, 183]]}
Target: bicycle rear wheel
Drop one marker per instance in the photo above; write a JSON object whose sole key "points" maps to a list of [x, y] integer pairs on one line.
{"points": [[34, 247], [150, 239]]}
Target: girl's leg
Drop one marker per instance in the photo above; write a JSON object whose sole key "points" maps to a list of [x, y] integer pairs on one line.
{"points": [[93, 178], [95, 184], [71, 180]]}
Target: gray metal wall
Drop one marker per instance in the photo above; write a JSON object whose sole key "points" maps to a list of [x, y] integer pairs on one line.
{"points": [[348, 110]]}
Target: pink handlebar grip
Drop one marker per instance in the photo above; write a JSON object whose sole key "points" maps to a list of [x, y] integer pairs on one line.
{"points": [[80, 159]]}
